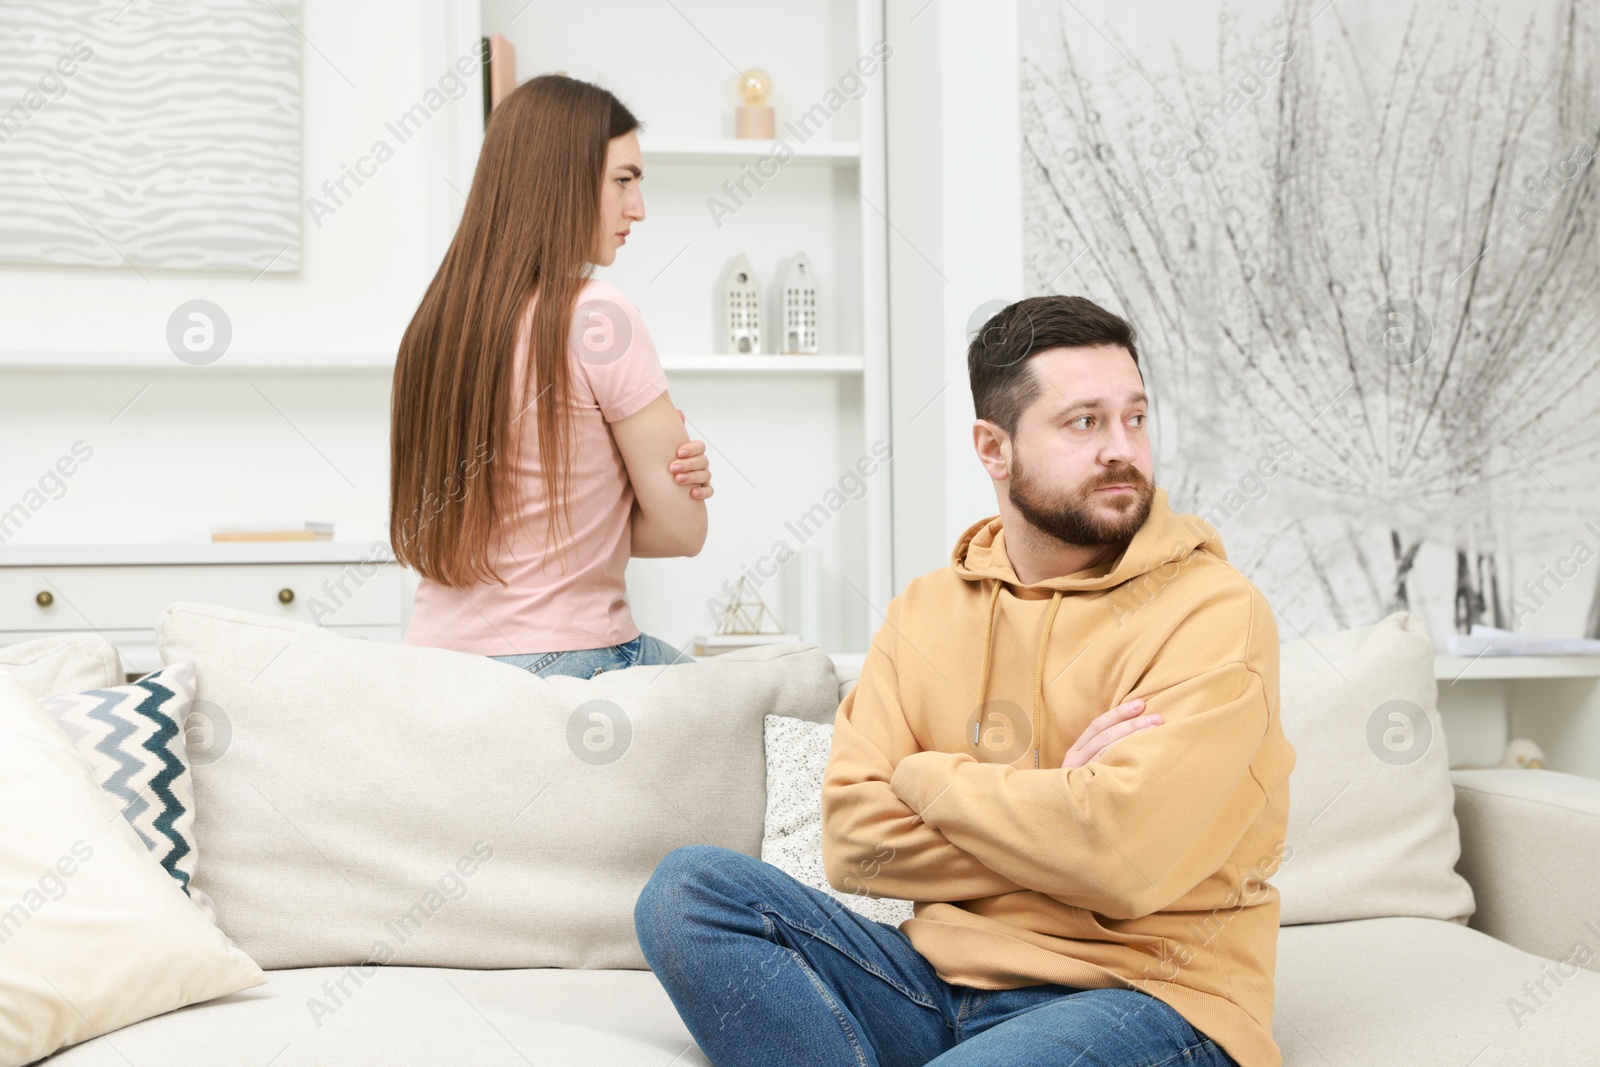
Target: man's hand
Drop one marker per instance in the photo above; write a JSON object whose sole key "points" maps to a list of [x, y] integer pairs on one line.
{"points": [[691, 467], [1107, 730]]}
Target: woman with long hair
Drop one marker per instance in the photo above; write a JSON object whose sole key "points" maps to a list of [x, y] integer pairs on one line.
{"points": [[534, 448]]}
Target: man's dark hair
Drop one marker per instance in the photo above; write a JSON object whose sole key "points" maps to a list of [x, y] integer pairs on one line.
{"points": [[997, 360]]}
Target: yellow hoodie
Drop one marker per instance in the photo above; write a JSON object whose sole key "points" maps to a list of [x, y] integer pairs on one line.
{"points": [[1145, 868]]}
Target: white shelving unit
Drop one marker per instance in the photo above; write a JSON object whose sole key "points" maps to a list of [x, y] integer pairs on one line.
{"points": [[1488, 700], [719, 151], [785, 432], [1499, 668], [720, 364]]}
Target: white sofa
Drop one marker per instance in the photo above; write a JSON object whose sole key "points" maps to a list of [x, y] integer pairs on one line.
{"points": [[355, 771]]}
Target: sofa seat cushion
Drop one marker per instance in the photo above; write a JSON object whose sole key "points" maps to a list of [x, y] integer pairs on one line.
{"points": [[398, 1016], [1375, 992], [1426, 993]]}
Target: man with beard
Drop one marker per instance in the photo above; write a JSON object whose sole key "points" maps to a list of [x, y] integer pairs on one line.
{"points": [[1090, 884]]}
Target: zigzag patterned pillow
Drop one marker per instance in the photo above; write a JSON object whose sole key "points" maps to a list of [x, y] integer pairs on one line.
{"points": [[132, 736]]}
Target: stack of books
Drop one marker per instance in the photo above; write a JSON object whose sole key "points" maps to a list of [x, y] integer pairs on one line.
{"points": [[272, 531], [717, 644]]}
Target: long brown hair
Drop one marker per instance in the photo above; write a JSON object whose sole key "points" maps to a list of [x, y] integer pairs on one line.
{"points": [[531, 223]]}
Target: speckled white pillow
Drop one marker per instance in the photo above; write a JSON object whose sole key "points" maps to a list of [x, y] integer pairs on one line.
{"points": [[797, 756]]}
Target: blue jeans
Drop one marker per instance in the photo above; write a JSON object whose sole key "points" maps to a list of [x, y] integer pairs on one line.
{"points": [[766, 970], [642, 651]]}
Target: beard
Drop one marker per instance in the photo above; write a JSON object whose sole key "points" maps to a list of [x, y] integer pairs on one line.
{"points": [[1076, 517]]}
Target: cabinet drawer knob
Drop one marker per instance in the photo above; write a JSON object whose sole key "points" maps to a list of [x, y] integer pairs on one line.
{"points": [[44, 599], [286, 596]]}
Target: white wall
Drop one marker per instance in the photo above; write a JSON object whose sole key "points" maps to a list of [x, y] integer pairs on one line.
{"points": [[955, 245]]}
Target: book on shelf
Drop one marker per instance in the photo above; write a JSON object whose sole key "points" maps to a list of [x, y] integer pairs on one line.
{"points": [[1493, 641], [499, 72], [717, 644], [272, 531]]}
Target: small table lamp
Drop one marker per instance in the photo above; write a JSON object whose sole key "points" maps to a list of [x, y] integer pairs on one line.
{"points": [[755, 119]]}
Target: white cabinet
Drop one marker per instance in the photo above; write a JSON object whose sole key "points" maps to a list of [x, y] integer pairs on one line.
{"points": [[119, 591], [1552, 700]]}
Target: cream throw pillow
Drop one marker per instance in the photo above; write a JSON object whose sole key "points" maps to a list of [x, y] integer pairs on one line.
{"points": [[94, 935], [63, 663], [1372, 826]]}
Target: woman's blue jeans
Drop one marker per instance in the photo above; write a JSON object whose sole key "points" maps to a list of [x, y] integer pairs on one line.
{"points": [[643, 650], [765, 970]]}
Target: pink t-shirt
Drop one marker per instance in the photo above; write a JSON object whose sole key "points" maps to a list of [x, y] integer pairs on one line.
{"points": [[575, 597]]}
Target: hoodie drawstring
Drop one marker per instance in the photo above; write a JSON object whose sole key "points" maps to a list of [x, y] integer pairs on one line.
{"points": [[1038, 668], [988, 649], [1038, 674]]}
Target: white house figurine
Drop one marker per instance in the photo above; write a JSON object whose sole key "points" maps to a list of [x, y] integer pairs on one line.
{"points": [[741, 302], [800, 307]]}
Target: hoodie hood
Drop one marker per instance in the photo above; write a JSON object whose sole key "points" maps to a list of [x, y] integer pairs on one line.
{"points": [[1164, 538], [980, 556]]}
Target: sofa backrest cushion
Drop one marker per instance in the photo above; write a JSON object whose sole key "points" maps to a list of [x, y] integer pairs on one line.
{"points": [[63, 663], [367, 801], [1372, 827]]}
